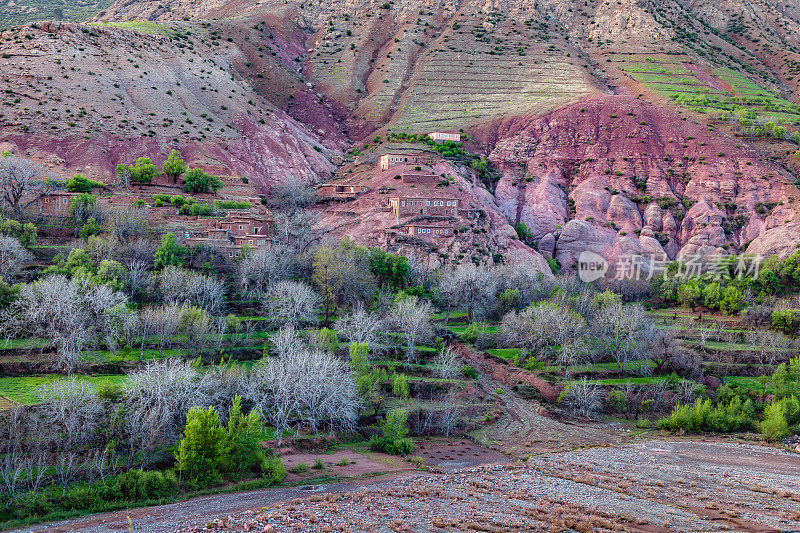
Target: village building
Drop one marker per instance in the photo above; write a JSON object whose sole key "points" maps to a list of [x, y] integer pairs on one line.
{"points": [[56, 203], [340, 190], [439, 136], [394, 159], [425, 230], [403, 206], [230, 234], [418, 177]]}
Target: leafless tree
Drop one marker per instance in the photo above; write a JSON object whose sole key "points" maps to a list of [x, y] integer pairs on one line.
{"points": [[178, 285], [291, 302], [71, 408], [13, 257], [292, 194], [669, 353], [71, 314], [127, 223], [470, 287], [769, 345], [582, 397], [159, 325], [12, 468], [452, 409], [22, 183], [363, 327], [266, 266], [138, 281], [541, 325], [302, 386], [626, 331], [412, 318], [157, 399], [447, 364]]}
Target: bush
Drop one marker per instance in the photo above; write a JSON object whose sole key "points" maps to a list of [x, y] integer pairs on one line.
{"points": [[201, 449], [393, 439], [775, 425], [786, 321], [469, 372], [198, 181], [139, 485], [472, 333], [400, 386], [80, 183], [702, 416]]}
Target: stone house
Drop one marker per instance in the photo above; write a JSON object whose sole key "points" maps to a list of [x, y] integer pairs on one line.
{"points": [[403, 206], [439, 136], [56, 203], [426, 230], [340, 190], [394, 159]]}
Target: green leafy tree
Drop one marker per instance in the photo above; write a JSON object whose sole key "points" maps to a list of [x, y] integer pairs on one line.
{"points": [[80, 183], [400, 386], [389, 269], [394, 434], [198, 181], [174, 167], [242, 447], [732, 301], [169, 253], [690, 294], [201, 449], [712, 295], [143, 172], [775, 426]]}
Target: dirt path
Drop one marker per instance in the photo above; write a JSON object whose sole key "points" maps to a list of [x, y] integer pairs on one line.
{"points": [[524, 427], [197, 511]]}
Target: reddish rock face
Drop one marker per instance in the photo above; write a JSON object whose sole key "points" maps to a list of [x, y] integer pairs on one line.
{"points": [[615, 175]]}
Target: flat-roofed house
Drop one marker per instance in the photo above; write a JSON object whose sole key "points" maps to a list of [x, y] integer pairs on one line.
{"points": [[56, 203], [426, 230], [440, 136], [394, 159], [403, 206], [340, 190]]}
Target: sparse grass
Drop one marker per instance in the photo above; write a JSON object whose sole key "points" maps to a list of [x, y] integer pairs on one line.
{"points": [[23, 389]]}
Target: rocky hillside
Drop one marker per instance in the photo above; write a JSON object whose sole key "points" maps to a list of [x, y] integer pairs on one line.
{"points": [[85, 98], [657, 127]]}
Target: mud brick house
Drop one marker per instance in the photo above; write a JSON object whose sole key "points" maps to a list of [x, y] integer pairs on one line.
{"points": [[425, 230], [55, 204], [439, 137], [340, 190], [403, 206], [418, 177], [231, 233], [390, 160], [242, 224]]}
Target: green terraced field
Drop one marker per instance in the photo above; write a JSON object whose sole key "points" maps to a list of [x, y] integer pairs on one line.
{"points": [[23, 389], [746, 101], [25, 11]]}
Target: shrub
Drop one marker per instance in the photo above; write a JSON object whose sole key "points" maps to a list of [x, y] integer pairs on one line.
{"points": [[300, 468], [775, 425], [469, 372], [472, 333], [400, 386], [201, 449], [80, 183], [393, 439], [198, 181], [786, 321]]}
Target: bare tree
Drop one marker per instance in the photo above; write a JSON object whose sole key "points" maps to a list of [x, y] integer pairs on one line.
{"points": [[447, 364], [412, 318], [544, 324], [626, 331], [470, 287], [363, 327], [159, 325], [157, 399], [179, 285], [291, 302], [582, 397], [302, 386], [266, 266], [69, 313], [13, 256], [22, 183], [72, 408]]}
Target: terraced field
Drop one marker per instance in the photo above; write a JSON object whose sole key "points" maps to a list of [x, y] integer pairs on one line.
{"points": [[722, 92]]}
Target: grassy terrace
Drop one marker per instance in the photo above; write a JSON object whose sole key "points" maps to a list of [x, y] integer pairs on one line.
{"points": [[720, 90]]}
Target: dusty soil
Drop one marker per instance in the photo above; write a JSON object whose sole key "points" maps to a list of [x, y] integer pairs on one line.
{"points": [[649, 486]]}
